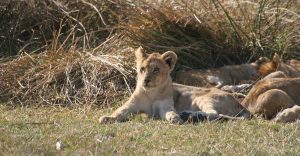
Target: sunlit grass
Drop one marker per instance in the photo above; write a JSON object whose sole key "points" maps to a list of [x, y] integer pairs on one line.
{"points": [[27, 131]]}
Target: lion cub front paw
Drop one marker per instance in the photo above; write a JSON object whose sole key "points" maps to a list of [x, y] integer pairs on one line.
{"points": [[175, 120], [106, 120]]}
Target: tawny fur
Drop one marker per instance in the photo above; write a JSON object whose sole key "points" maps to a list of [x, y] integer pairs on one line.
{"points": [[275, 96], [158, 97], [291, 67]]}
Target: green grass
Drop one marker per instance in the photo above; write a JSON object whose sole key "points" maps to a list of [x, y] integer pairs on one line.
{"points": [[27, 131]]}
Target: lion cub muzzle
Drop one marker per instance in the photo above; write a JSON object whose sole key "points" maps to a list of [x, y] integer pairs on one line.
{"points": [[151, 75]]}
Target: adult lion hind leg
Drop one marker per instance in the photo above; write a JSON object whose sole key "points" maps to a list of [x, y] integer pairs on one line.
{"points": [[288, 115], [270, 103]]}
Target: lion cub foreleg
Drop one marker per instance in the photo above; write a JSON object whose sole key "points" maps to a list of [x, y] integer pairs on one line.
{"points": [[164, 109], [132, 106]]}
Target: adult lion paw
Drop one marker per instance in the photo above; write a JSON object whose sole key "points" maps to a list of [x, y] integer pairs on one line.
{"points": [[288, 115], [106, 120], [193, 117], [185, 115]]}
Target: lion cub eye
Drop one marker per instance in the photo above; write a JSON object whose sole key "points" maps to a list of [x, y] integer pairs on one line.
{"points": [[156, 69], [142, 69]]}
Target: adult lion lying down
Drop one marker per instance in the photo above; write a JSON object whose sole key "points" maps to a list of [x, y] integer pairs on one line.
{"points": [[290, 68], [219, 77], [275, 97], [158, 97]]}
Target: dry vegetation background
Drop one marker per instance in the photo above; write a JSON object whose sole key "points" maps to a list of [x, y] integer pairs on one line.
{"points": [[63, 52]]}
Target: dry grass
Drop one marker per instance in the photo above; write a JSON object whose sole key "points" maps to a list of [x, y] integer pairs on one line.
{"points": [[209, 33], [59, 77], [28, 26], [64, 53], [80, 52]]}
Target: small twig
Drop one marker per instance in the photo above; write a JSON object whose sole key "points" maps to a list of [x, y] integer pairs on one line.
{"points": [[94, 7], [39, 123], [197, 19], [74, 19]]}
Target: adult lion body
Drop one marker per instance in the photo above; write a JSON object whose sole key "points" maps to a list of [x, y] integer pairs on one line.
{"points": [[158, 97], [275, 97]]}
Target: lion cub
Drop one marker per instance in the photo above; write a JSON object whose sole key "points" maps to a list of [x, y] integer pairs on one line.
{"points": [[158, 97], [219, 77], [275, 97]]}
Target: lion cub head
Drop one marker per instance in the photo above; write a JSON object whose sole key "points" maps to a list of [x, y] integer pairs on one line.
{"points": [[153, 70]]}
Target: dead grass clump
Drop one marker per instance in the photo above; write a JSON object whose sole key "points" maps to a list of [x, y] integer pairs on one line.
{"points": [[213, 33], [161, 30], [28, 26], [67, 77]]}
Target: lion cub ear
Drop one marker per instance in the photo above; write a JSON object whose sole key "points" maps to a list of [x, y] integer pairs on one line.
{"points": [[140, 55], [276, 59], [262, 60], [170, 59]]}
